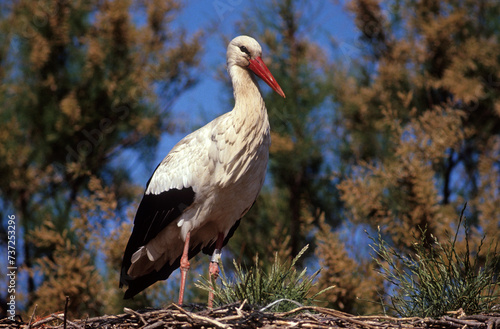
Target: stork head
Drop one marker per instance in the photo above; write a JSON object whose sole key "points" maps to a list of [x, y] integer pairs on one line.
{"points": [[246, 52]]}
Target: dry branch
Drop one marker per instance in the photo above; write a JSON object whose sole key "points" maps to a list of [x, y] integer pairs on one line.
{"points": [[240, 315]]}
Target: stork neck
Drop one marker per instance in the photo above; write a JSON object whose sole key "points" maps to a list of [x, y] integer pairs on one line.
{"points": [[247, 96]]}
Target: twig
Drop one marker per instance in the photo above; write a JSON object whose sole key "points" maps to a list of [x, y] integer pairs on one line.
{"points": [[130, 311], [238, 309], [464, 322], [66, 311], [340, 315], [155, 325], [32, 316], [59, 318], [384, 318], [279, 301], [42, 321], [480, 317], [442, 323], [201, 318]]}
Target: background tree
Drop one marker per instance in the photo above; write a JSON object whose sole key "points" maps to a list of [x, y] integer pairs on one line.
{"points": [[80, 88], [420, 111], [431, 97]]}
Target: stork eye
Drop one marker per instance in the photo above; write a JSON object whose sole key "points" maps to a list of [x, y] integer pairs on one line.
{"points": [[245, 50]]}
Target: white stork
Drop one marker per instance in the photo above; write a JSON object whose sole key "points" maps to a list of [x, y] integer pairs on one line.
{"points": [[197, 195]]}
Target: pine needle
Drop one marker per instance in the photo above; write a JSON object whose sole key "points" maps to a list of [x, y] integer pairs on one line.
{"points": [[280, 290]]}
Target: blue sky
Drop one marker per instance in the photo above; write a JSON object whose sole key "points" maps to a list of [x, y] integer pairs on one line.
{"points": [[205, 101]]}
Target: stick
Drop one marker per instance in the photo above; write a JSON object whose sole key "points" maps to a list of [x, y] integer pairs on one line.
{"points": [[32, 316], [66, 311], [202, 318], [56, 316], [128, 310]]}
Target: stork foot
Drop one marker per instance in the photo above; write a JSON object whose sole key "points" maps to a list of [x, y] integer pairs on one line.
{"points": [[213, 268]]}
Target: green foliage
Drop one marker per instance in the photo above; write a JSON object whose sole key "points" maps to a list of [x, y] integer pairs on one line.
{"points": [[437, 278], [283, 283]]}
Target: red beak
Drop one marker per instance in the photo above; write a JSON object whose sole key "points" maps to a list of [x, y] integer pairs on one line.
{"points": [[260, 69]]}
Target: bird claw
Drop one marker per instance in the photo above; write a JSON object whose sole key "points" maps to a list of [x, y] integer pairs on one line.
{"points": [[213, 270]]}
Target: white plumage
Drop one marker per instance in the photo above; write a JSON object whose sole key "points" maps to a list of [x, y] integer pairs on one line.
{"points": [[206, 183]]}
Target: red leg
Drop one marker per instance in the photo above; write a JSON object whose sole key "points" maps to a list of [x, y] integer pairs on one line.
{"points": [[213, 268], [184, 267]]}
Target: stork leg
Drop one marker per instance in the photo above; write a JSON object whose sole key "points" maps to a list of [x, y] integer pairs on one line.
{"points": [[213, 269], [184, 267]]}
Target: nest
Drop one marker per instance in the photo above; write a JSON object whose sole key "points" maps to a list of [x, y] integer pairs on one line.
{"points": [[240, 315]]}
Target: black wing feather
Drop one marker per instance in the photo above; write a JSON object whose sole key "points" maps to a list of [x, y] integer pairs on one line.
{"points": [[155, 212]]}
